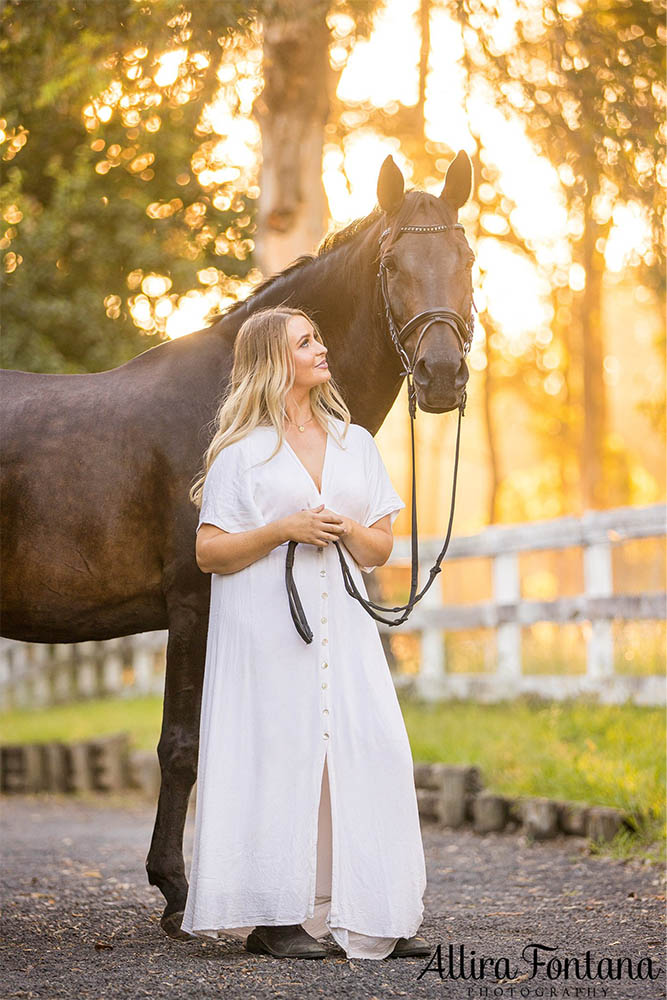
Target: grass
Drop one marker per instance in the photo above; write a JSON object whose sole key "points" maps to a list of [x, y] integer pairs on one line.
{"points": [[74, 721], [578, 750]]}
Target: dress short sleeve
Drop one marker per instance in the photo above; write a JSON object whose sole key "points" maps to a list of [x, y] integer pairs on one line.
{"points": [[382, 497], [227, 498]]}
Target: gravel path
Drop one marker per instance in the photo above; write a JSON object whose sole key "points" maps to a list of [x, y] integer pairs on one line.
{"points": [[80, 920]]}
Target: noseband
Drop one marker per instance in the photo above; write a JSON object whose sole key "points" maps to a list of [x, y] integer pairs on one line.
{"points": [[464, 332]]}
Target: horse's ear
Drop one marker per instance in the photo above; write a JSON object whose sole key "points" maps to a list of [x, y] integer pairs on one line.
{"points": [[390, 186], [458, 182]]}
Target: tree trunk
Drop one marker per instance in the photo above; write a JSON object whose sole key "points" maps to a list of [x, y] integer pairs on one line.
{"points": [[595, 405], [292, 111], [489, 389], [489, 383]]}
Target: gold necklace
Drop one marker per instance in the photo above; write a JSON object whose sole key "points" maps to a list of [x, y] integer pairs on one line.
{"points": [[300, 426]]}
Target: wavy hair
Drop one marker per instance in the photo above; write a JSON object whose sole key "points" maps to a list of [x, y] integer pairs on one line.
{"points": [[262, 375]]}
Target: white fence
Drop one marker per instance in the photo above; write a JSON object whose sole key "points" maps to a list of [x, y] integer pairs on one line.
{"points": [[38, 674], [34, 674], [595, 533]]}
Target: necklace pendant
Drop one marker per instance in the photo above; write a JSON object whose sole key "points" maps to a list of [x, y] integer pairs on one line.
{"points": [[301, 428]]}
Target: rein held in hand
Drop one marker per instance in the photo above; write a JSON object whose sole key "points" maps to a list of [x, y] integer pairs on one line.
{"points": [[464, 331]]}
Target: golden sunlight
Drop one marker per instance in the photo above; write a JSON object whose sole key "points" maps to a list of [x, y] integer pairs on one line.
{"points": [[383, 70]]}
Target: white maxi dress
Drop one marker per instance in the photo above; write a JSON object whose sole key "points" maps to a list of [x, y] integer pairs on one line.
{"points": [[306, 810]]}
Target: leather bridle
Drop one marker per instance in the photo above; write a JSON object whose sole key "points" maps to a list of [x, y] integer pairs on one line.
{"points": [[464, 332]]}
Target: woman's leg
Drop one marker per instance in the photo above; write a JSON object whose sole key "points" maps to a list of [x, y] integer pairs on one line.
{"points": [[354, 944], [316, 925]]}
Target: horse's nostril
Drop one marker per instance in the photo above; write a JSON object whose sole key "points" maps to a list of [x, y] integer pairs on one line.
{"points": [[425, 372], [421, 370], [461, 376]]}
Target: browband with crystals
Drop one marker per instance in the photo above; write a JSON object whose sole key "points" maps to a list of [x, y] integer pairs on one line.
{"points": [[422, 229]]}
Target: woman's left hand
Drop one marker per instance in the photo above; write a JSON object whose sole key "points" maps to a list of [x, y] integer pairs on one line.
{"points": [[344, 529]]}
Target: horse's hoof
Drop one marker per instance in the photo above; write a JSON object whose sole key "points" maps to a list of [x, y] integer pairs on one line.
{"points": [[171, 925]]}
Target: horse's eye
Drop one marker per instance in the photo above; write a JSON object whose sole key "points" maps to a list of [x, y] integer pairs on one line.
{"points": [[390, 263]]}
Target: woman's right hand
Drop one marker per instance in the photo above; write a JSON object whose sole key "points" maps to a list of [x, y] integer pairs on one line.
{"points": [[315, 526]]}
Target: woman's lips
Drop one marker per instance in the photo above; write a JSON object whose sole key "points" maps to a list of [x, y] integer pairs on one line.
{"points": [[322, 364]]}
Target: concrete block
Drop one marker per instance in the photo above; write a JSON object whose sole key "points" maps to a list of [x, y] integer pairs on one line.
{"points": [[55, 766], [144, 772], [107, 761], [490, 812], [427, 776], [540, 817], [603, 822], [428, 803], [453, 796], [78, 775], [573, 818], [21, 768]]}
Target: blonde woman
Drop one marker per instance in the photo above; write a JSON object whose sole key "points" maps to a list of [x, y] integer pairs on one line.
{"points": [[306, 817]]}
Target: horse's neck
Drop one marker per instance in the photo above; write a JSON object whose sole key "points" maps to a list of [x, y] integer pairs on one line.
{"points": [[339, 291]]}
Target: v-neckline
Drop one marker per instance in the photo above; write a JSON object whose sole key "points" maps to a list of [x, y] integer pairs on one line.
{"points": [[324, 464]]}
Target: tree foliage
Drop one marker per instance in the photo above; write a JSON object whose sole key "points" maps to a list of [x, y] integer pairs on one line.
{"points": [[98, 180]]}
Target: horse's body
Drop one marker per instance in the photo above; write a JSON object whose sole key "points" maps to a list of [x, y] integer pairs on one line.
{"points": [[98, 533]]}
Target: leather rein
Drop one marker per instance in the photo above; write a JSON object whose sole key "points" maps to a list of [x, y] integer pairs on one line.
{"points": [[464, 332]]}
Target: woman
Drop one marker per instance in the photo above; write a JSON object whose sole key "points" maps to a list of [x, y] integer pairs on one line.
{"points": [[306, 816]]}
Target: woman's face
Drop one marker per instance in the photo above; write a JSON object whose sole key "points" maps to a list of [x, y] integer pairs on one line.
{"points": [[309, 353]]}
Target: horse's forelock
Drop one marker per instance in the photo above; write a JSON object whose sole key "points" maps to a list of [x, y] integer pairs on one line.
{"points": [[435, 214]]}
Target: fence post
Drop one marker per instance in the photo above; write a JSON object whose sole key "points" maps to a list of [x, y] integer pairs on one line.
{"points": [[7, 656], [142, 665], [112, 667], [41, 680], [507, 590], [85, 670], [63, 673], [429, 681], [21, 674], [598, 583]]}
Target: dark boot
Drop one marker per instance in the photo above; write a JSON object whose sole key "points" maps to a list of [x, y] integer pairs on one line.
{"points": [[415, 947], [291, 941]]}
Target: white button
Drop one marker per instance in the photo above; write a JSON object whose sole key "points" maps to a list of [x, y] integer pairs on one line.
{"points": [[325, 594], [323, 572], [325, 711], [324, 642], [324, 684], [325, 665], [326, 736], [323, 620]]}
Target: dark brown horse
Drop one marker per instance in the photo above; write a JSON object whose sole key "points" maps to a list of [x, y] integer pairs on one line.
{"points": [[98, 533]]}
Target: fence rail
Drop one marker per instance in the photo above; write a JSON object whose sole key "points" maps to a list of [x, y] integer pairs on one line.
{"points": [[34, 674], [595, 533]]}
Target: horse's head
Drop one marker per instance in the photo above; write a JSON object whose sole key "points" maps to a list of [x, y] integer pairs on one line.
{"points": [[427, 268]]}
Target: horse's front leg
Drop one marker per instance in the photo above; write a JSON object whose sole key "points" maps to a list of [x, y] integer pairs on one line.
{"points": [[177, 751]]}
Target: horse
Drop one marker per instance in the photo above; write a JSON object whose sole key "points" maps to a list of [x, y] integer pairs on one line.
{"points": [[97, 532]]}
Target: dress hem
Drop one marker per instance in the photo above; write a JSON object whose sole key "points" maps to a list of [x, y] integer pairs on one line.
{"points": [[406, 931]]}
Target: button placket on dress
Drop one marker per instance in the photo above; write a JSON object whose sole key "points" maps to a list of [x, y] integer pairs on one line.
{"points": [[324, 649]]}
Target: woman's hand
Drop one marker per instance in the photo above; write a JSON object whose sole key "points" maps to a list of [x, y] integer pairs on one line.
{"points": [[315, 526]]}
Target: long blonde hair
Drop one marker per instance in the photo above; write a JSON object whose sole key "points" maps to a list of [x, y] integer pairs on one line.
{"points": [[262, 375]]}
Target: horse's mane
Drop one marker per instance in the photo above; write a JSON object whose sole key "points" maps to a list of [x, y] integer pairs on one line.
{"points": [[332, 241]]}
